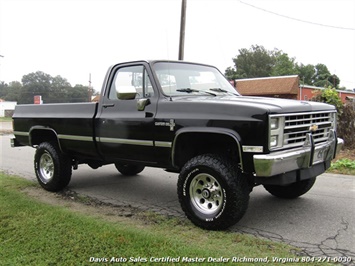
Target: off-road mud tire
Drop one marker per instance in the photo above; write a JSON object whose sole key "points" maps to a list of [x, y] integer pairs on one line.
{"points": [[212, 192], [53, 169]]}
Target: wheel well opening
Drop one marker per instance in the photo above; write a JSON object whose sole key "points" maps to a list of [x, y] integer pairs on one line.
{"points": [[189, 145], [38, 136]]}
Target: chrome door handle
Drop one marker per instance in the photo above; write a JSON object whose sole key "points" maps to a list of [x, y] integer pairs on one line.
{"points": [[108, 105]]}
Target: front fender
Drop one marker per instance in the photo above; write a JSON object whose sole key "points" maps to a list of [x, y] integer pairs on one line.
{"points": [[233, 135]]}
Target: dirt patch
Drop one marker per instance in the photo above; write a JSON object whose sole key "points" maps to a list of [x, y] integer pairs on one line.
{"points": [[84, 204], [346, 154]]}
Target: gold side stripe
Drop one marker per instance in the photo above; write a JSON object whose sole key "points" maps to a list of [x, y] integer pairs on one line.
{"points": [[21, 133], [164, 144], [75, 137], [126, 141]]}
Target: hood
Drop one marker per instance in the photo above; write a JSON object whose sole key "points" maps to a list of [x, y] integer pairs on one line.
{"points": [[263, 104]]}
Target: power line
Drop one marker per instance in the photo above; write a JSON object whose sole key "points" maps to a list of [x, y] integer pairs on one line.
{"points": [[296, 19]]}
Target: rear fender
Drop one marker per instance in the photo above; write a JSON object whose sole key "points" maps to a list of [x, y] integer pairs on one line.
{"points": [[39, 134]]}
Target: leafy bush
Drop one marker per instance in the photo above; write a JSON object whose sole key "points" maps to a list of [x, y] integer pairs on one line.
{"points": [[329, 95], [346, 115], [343, 166], [346, 125], [344, 163]]}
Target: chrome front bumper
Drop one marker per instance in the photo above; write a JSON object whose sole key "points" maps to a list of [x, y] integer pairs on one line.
{"points": [[301, 158]]}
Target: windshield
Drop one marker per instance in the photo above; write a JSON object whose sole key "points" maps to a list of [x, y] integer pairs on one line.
{"points": [[178, 79]]}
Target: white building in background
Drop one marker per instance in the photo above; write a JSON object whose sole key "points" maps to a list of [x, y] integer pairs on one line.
{"points": [[7, 108]]}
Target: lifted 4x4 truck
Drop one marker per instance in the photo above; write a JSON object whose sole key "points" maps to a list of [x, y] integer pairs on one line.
{"points": [[185, 118]]}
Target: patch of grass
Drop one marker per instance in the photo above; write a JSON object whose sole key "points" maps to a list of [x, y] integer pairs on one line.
{"points": [[35, 233], [5, 119], [343, 166]]}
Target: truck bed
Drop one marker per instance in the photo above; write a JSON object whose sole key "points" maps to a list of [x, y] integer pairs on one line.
{"points": [[73, 123]]}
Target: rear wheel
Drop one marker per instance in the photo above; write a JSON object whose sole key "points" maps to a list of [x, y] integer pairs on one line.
{"points": [[52, 168], [129, 169], [291, 191], [212, 192]]}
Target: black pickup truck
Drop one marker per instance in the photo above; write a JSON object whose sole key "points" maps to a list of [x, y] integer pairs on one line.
{"points": [[185, 118]]}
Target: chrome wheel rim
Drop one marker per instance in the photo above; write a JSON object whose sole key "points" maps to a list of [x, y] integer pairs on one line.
{"points": [[206, 194], [46, 167]]}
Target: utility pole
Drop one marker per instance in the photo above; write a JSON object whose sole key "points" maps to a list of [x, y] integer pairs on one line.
{"points": [[0, 64], [90, 88], [182, 30]]}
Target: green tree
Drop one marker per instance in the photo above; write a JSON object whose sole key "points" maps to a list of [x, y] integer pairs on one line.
{"points": [[58, 82], [37, 83], [52, 89], [3, 89], [284, 65], [11, 91], [79, 93], [259, 62], [59, 90], [252, 63], [231, 73], [306, 73], [320, 79], [323, 78], [14, 91]]}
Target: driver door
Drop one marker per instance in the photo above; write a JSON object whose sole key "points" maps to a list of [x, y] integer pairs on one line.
{"points": [[126, 121]]}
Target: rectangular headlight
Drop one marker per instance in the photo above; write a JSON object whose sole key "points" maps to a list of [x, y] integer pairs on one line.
{"points": [[333, 119], [276, 131], [274, 123]]}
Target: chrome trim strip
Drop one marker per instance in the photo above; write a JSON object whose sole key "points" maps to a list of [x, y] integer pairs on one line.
{"points": [[303, 113], [254, 149], [163, 144], [75, 137], [127, 141]]}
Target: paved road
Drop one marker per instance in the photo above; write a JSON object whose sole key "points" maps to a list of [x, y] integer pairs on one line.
{"points": [[321, 223]]}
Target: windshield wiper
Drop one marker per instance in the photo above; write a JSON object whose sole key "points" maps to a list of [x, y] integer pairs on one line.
{"points": [[221, 90], [189, 90]]}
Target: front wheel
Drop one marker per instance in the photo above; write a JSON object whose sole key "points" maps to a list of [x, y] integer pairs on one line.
{"points": [[52, 168], [291, 191], [212, 192]]}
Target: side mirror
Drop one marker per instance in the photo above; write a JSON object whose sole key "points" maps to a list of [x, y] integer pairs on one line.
{"points": [[142, 103], [126, 92]]}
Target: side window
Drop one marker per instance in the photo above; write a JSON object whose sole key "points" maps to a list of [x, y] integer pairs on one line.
{"points": [[128, 77]]}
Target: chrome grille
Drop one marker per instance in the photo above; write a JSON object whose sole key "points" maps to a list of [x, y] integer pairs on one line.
{"points": [[297, 126]]}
